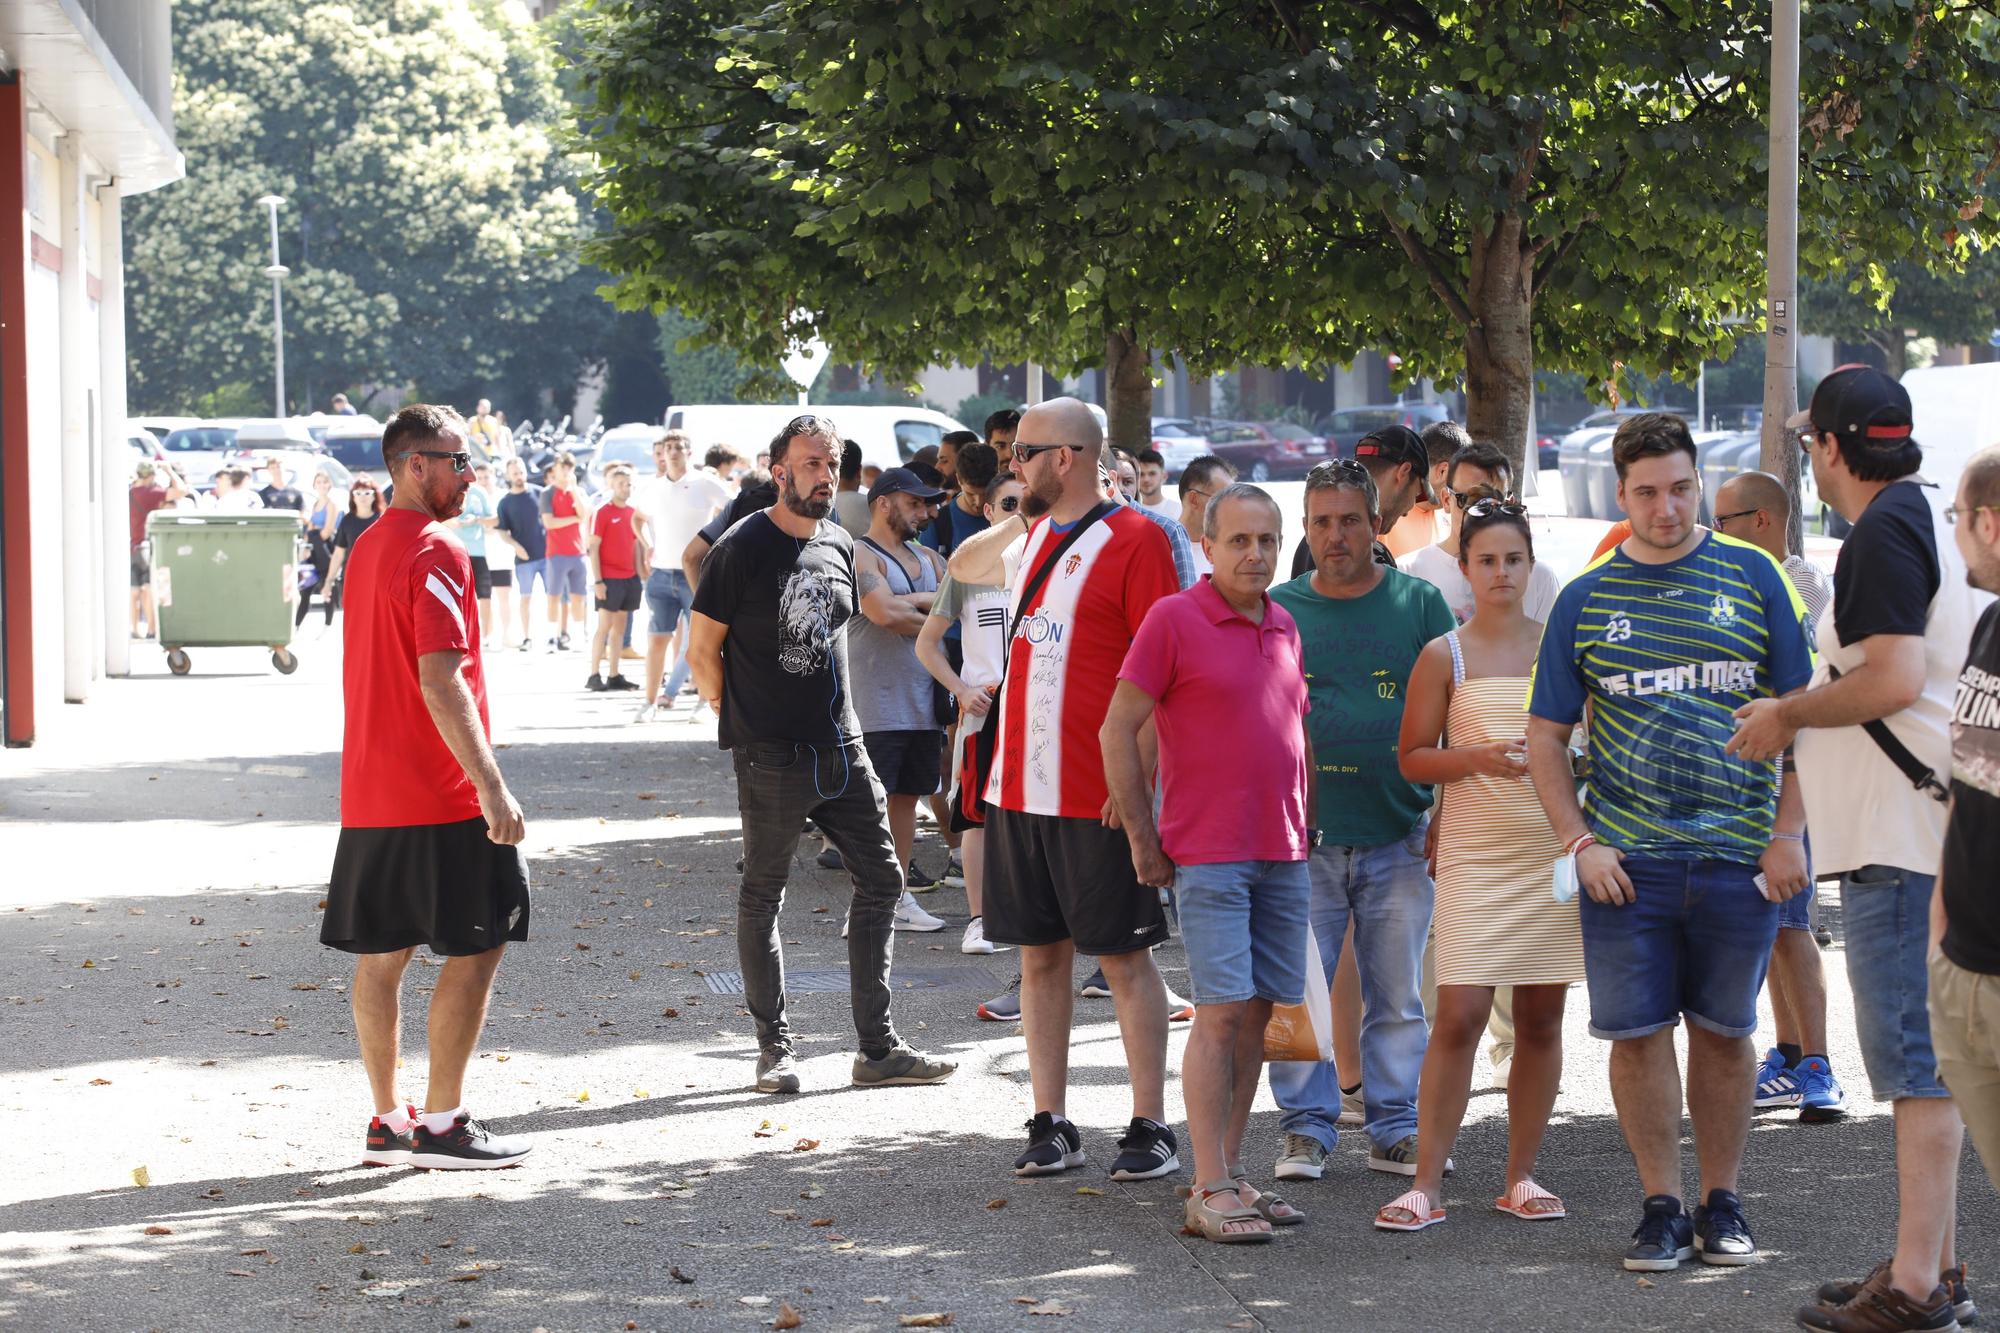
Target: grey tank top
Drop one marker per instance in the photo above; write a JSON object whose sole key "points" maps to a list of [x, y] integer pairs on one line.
{"points": [[892, 691]]}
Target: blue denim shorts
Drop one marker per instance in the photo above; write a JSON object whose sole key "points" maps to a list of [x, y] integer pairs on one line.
{"points": [[1795, 913], [1696, 942], [1244, 926], [667, 596], [568, 574], [1887, 915], [527, 573]]}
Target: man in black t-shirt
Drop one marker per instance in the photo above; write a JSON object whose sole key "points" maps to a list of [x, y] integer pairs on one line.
{"points": [[276, 495], [768, 653], [1965, 915]]}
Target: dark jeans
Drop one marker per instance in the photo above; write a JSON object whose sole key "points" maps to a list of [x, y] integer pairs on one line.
{"points": [[779, 785]]}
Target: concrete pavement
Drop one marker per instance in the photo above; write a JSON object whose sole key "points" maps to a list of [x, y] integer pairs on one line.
{"points": [[168, 1011]]}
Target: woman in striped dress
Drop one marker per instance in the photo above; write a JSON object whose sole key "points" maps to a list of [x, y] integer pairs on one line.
{"points": [[1497, 922]]}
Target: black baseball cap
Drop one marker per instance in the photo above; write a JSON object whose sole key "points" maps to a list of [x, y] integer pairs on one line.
{"points": [[1399, 444], [901, 480], [1860, 405]]}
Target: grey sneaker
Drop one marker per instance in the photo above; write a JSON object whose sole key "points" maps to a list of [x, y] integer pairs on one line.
{"points": [[901, 1066], [777, 1071], [1400, 1158], [1304, 1158]]}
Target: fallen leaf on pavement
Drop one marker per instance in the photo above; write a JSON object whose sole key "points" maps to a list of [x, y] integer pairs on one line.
{"points": [[678, 1276], [641, 1093], [1049, 1307], [787, 1317], [141, 1177], [158, 1230], [1027, 1300], [753, 1300], [357, 1248], [1089, 1189], [252, 1253], [993, 1204], [241, 1272], [197, 921], [100, 1083], [805, 1145], [822, 1222], [812, 1192], [875, 1300], [1646, 1284], [88, 963], [305, 985], [465, 1277], [670, 1013], [932, 1319], [583, 1096]]}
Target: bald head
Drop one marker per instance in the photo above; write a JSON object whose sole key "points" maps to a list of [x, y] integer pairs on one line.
{"points": [[1062, 421], [1755, 507]]}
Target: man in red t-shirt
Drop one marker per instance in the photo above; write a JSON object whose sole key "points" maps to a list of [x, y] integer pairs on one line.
{"points": [[1059, 881], [146, 496], [429, 849], [617, 552], [566, 518]]}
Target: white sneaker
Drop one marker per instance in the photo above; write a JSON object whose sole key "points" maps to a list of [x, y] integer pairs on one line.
{"points": [[975, 940], [646, 713], [909, 916]]}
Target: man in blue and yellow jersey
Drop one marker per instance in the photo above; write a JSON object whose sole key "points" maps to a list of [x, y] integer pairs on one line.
{"points": [[1684, 852]]}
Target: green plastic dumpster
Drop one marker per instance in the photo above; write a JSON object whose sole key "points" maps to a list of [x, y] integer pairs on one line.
{"points": [[225, 581]]}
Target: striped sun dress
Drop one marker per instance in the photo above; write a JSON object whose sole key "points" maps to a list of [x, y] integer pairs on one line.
{"points": [[1497, 923]]}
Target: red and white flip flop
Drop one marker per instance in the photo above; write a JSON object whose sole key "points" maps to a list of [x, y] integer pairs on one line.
{"points": [[1414, 1206], [1517, 1202]]}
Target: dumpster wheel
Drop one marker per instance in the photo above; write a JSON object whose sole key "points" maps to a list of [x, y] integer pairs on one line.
{"points": [[282, 659], [177, 661]]}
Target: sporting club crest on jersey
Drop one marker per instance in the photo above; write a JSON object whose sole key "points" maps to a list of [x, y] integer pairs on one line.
{"points": [[1722, 612], [1072, 564]]}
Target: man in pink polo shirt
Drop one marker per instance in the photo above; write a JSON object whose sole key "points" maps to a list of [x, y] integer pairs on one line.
{"points": [[1218, 671]]}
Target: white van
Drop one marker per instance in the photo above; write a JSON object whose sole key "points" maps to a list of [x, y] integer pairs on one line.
{"points": [[1956, 411], [888, 436]]}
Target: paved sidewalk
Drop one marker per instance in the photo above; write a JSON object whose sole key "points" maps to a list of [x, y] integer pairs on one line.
{"points": [[168, 1011]]}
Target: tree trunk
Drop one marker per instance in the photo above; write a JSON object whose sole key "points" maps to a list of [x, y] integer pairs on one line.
{"points": [[1500, 346], [1128, 391]]}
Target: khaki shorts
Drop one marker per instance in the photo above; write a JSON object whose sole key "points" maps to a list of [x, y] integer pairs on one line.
{"points": [[1965, 1031]]}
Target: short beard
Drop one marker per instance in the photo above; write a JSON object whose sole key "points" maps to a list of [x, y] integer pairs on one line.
{"points": [[1033, 506], [804, 506], [1043, 492]]}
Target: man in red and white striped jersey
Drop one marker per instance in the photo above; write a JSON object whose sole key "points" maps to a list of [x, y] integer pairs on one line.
{"points": [[1059, 872]]}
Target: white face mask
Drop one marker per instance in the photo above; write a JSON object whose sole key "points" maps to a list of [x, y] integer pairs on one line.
{"points": [[1564, 888]]}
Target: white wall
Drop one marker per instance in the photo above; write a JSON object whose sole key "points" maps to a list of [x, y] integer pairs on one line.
{"points": [[45, 493]]}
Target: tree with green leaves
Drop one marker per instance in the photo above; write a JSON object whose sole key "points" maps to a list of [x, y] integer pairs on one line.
{"points": [[1483, 188], [431, 222], [1886, 305]]}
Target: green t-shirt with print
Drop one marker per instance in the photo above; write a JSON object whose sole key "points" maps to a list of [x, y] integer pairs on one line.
{"points": [[1358, 656]]}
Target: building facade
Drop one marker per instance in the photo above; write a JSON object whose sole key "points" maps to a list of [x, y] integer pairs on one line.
{"points": [[86, 119]]}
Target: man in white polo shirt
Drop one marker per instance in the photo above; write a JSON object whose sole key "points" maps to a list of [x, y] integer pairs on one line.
{"points": [[676, 504]]}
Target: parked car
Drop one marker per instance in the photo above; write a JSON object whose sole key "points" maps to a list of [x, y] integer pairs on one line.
{"points": [[299, 465], [356, 443], [1178, 443], [888, 436], [196, 451], [1346, 427], [631, 443], [1264, 452]]}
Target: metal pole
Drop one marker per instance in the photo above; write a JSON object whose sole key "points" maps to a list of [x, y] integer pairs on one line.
{"points": [[276, 272], [1779, 455], [1034, 383]]}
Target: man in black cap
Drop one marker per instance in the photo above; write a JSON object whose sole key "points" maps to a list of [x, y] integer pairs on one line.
{"points": [[1873, 746], [895, 581], [1396, 458]]}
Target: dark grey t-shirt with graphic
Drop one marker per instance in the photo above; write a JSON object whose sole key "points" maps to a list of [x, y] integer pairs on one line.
{"points": [[784, 660]]}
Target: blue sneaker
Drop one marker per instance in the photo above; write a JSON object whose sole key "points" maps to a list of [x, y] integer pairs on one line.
{"points": [[1821, 1098], [1776, 1084], [1665, 1238]]}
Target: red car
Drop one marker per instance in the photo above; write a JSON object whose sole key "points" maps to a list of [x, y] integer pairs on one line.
{"points": [[1265, 450]]}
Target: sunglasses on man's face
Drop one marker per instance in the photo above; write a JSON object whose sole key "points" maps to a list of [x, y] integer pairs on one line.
{"points": [[1010, 504], [460, 461], [1025, 453], [1466, 499]]}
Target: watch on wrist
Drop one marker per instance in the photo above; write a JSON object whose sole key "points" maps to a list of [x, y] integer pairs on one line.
{"points": [[1314, 837]]}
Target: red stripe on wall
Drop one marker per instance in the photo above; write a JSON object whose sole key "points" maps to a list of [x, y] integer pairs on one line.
{"points": [[17, 667], [45, 252]]}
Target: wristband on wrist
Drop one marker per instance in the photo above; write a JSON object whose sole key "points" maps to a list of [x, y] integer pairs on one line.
{"points": [[1583, 841], [1788, 837]]}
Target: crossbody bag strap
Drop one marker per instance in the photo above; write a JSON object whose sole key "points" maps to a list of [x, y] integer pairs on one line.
{"points": [[1916, 770]]}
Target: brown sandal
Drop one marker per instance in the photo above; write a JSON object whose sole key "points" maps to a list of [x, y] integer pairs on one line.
{"points": [[1268, 1202], [1211, 1222]]}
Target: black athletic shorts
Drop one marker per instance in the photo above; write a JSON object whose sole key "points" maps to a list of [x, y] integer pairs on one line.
{"points": [[622, 594], [500, 578], [908, 763], [444, 885], [482, 578], [142, 568], [1050, 878]]}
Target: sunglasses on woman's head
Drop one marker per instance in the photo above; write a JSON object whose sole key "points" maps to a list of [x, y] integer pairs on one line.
{"points": [[1487, 508]]}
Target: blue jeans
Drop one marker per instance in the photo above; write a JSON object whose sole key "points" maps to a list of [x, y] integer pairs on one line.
{"points": [[1244, 926], [1695, 942], [1385, 891], [669, 599], [1887, 911]]}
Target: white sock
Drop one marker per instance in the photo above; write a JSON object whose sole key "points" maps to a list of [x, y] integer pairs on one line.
{"points": [[437, 1122], [397, 1121]]}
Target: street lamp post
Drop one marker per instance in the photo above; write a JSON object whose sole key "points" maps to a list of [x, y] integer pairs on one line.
{"points": [[276, 273], [1779, 454]]}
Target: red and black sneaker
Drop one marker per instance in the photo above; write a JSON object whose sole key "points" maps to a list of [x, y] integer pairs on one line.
{"points": [[466, 1146], [385, 1146]]}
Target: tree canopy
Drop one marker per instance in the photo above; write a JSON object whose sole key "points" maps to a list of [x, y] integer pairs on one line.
{"points": [[431, 223], [1483, 188]]}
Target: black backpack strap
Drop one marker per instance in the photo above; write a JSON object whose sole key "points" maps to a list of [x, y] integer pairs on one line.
{"points": [[1916, 770]]}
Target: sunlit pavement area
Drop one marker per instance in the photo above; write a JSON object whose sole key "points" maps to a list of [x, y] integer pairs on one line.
{"points": [[184, 1109]]}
